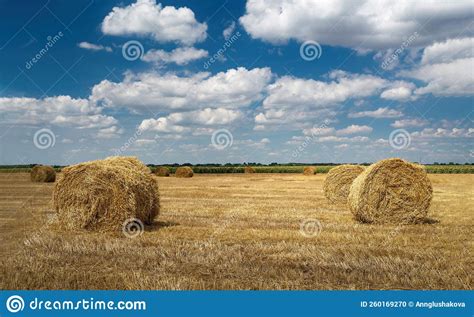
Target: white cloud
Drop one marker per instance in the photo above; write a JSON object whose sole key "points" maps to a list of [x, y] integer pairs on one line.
{"points": [[109, 133], [444, 133], [59, 110], [94, 47], [409, 123], [447, 68], [354, 129], [289, 92], [362, 25], [400, 91], [229, 30], [179, 56], [378, 113], [163, 24], [234, 88], [452, 49], [180, 122]]}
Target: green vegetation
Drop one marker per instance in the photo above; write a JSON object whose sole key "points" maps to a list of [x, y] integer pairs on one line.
{"points": [[260, 168]]}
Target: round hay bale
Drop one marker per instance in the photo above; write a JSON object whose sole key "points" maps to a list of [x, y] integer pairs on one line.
{"points": [[102, 195], [43, 174], [309, 170], [391, 191], [338, 182], [162, 171], [184, 172]]}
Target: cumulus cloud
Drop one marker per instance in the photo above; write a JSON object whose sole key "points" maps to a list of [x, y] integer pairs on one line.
{"points": [[446, 68], [180, 121], [292, 99], [94, 47], [355, 129], [229, 30], [444, 133], [399, 91], [179, 56], [109, 133], [405, 123], [362, 25], [378, 113], [163, 24], [152, 91], [59, 110]]}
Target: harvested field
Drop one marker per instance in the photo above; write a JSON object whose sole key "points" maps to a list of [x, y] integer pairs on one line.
{"points": [[238, 231]]}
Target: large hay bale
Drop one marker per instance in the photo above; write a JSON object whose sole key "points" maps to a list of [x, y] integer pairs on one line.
{"points": [[249, 170], [309, 170], [338, 182], [103, 194], [162, 171], [391, 191], [184, 172], [43, 174]]}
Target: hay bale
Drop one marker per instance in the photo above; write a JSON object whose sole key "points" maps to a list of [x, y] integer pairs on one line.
{"points": [[309, 170], [249, 170], [391, 191], [162, 171], [184, 172], [102, 195], [43, 174], [338, 182]]}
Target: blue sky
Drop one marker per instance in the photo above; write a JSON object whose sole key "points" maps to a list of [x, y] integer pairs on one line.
{"points": [[236, 81]]}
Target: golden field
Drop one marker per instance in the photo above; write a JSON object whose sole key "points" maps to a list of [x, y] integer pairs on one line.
{"points": [[238, 231]]}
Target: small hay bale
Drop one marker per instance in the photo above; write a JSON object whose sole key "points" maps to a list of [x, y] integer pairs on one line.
{"points": [[249, 170], [391, 191], [102, 195], [338, 182], [43, 174], [184, 172], [162, 171], [309, 170]]}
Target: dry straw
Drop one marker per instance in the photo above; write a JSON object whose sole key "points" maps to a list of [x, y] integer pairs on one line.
{"points": [[103, 194], [391, 191], [309, 170], [162, 171], [184, 172], [249, 170], [43, 174], [338, 182]]}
